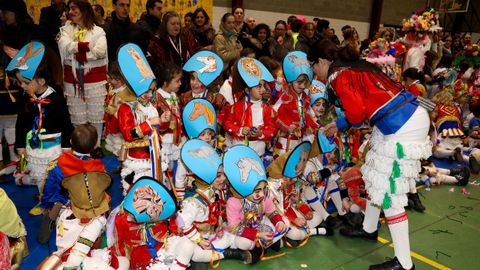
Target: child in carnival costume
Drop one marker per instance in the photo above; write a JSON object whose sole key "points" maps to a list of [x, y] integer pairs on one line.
{"points": [[118, 93], [146, 231], [447, 118], [43, 124], [169, 77], [432, 175], [324, 113], [294, 121], [202, 216], [321, 175], [138, 120], [83, 220], [287, 189], [250, 121], [251, 214], [474, 132], [399, 139], [412, 80], [416, 38], [200, 122], [204, 67]]}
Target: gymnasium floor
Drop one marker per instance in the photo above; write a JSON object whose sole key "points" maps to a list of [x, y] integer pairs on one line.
{"points": [[445, 236]]}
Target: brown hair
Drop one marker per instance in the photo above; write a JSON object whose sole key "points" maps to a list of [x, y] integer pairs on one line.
{"points": [[87, 12], [84, 138], [324, 49], [162, 30], [114, 71]]}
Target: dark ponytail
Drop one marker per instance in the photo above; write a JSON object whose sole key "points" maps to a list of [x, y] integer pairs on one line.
{"points": [[324, 49]]}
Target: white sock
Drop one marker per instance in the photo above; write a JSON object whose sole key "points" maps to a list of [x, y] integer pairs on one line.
{"points": [[13, 155], [337, 201], [372, 213], [446, 179], [398, 225], [99, 128]]}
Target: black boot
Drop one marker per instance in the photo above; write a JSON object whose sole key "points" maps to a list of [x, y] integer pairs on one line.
{"points": [[330, 222], [238, 254], [393, 264], [463, 177], [474, 165], [276, 246], [353, 232], [45, 229], [458, 155], [322, 230], [351, 219], [256, 254], [417, 204], [198, 266]]}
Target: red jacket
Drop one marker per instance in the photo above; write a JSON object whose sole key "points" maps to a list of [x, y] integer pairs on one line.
{"points": [[362, 92], [235, 118], [175, 125], [133, 131], [417, 89], [130, 240], [356, 186], [289, 113]]}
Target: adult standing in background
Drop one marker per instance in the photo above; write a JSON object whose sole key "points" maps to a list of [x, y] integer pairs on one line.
{"points": [[239, 15], [118, 27], [202, 29], [150, 22], [225, 43], [50, 22], [19, 28], [99, 14], [323, 29], [307, 38], [281, 42], [83, 49], [169, 45]]}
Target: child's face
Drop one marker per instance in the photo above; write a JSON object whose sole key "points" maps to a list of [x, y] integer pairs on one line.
{"points": [[300, 84], [257, 92], [174, 85], [115, 82], [220, 183], [207, 136], [258, 193], [196, 85], [319, 107], [147, 96], [30, 86]]}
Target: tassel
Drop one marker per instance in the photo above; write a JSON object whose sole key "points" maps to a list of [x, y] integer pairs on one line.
{"points": [[7, 84], [395, 174], [395, 170], [400, 153], [387, 202]]}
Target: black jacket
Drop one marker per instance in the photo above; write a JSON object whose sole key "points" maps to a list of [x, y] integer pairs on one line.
{"points": [[119, 32], [148, 26], [55, 118]]}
